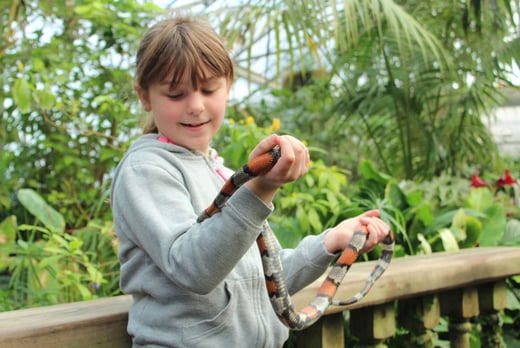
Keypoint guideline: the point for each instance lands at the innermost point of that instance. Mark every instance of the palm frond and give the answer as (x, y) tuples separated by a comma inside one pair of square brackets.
[(294, 35)]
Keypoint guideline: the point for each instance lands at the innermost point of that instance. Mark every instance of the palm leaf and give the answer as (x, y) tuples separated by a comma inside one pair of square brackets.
[(300, 35)]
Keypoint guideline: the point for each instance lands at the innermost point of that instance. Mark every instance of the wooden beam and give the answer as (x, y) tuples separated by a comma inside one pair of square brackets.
[(98, 323), (414, 276), (102, 323)]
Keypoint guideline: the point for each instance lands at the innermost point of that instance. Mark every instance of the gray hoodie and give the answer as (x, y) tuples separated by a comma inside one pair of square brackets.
[(197, 284)]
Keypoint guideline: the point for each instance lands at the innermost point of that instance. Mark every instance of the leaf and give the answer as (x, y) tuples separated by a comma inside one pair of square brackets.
[(7, 238), (443, 220), (22, 94), (512, 302), (37, 206), (395, 195), (473, 231), (288, 236), (414, 198), (94, 274), (479, 198), (493, 226), (332, 200), (37, 64), (448, 240), (75, 244), (23, 244), (83, 290), (425, 246), (302, 217), (458, 225), (50, 261), (424, 214), (314, 220), (369, 171), (46, 99), (8, 229), (512, 233), (5, 258)]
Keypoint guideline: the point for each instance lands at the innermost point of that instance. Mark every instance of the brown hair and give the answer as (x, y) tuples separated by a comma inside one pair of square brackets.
[(176, 46)]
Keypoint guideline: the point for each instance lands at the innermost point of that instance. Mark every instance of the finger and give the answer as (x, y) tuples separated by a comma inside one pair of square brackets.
[(303, 157), (294, 158), (283, 167), (381, 230), (369, 244), (383, 227), (265, 145), (373, 234), (371, 213), (367, 217), (287, 149)]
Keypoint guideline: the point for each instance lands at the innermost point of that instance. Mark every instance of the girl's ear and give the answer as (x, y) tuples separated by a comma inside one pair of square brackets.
[(143, 97)]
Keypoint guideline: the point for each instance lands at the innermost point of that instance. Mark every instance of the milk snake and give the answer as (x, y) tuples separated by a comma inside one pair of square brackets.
[(273, 271)]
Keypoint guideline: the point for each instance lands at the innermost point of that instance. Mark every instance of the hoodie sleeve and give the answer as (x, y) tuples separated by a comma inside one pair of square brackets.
[(153, 211), (305, 263)]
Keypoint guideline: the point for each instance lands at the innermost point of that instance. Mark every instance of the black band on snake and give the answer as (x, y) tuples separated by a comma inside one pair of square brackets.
[(273, 271)]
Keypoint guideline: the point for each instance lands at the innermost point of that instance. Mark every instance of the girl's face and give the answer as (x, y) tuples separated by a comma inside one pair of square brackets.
[(188, 117)]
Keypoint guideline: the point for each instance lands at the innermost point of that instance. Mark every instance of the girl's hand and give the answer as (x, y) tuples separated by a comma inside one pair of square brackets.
[(293, 163), (339, 237)]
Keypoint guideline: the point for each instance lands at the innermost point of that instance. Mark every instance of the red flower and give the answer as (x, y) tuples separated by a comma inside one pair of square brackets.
[(506, 180), (476, 181)]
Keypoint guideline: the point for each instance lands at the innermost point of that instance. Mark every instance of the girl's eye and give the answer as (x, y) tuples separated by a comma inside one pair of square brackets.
[(208, 91), (175, 95)]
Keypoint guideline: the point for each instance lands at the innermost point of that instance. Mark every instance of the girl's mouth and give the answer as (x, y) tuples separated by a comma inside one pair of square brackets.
[(194, 125)]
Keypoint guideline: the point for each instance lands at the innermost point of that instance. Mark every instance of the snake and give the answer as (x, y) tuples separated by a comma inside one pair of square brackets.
[(272, 266)]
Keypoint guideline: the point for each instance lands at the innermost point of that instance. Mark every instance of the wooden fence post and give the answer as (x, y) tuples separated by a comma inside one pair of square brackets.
[(460, 305), (492, 300), (328, 332), (420, 316), (372, 325)]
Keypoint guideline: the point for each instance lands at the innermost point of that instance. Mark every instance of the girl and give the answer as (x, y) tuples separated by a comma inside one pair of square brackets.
[(202, 284)]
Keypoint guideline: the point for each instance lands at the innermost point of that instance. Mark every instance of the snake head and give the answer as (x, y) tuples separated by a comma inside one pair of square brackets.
[(275, 153)]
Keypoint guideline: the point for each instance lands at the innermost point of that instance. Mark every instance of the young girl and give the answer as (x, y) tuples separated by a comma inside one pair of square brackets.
[(202, 284)]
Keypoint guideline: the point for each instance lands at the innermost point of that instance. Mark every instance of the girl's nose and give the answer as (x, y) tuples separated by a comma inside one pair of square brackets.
[(195, 103)]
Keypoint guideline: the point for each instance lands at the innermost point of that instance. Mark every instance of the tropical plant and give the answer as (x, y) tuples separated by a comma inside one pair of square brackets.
[(407, 83), (66, 118), (46, 264), (380, 90), (66, 114)]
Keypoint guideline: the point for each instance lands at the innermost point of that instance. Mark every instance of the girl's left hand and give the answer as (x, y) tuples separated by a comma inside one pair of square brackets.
[(339, 237)]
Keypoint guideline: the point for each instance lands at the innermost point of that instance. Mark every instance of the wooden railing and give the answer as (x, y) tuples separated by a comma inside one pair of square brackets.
[(459, 285)]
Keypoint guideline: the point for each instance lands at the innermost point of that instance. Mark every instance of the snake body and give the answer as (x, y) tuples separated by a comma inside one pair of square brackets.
[(273, 270)]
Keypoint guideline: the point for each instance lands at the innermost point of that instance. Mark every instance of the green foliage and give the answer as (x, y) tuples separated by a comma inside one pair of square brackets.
[(65, 114), (310, 205), (438, 215), (48, 265), (237, 137), (66, 119), (411, 94), (305, 207), (48, 216), (378, 109)]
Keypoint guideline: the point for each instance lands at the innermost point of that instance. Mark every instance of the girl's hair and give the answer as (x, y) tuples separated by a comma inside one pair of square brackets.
[(176, 46)]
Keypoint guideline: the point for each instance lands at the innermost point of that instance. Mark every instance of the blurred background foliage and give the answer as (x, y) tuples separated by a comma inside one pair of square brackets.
[(392, 97)]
